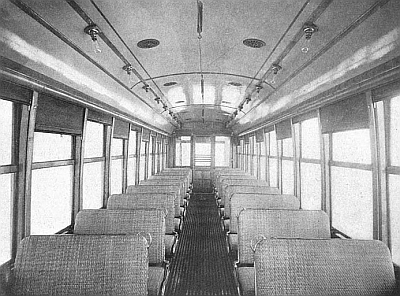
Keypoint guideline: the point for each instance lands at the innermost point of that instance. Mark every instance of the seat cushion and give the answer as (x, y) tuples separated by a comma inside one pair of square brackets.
[(246, 280)]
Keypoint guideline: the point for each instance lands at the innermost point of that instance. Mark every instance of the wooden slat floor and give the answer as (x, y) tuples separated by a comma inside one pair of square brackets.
[(201, 265)]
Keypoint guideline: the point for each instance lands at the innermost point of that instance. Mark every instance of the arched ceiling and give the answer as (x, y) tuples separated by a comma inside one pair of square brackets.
[(210, 77)]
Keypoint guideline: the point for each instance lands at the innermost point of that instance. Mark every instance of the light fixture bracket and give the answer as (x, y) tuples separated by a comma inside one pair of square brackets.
[(276, 68), (309, 29), (93, 31), (128, 68)]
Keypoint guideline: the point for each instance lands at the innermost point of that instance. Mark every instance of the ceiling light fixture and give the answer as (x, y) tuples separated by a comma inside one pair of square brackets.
[(146, 87), (129, 69), (157, 99), (248, 99), (93, 31), (309, 29), (275, 68), (165, 107)]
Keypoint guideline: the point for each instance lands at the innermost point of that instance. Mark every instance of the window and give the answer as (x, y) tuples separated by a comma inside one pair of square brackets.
[(222, 151), (287, 166), (183, 147), (394, 175), (51, 192), (310, 164), (351, 181), (202, 153), (116, 165), (93, 169), (6, 179), (131, 173), (272, 159), (143, 152)]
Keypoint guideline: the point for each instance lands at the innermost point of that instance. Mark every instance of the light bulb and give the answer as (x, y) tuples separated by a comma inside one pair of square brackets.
[(96, 46)]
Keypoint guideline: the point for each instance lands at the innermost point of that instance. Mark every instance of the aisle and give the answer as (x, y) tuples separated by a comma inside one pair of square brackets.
[(201, 265)]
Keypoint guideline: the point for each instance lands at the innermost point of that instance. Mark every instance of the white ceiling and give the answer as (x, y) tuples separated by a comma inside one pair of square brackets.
[(224, 58)]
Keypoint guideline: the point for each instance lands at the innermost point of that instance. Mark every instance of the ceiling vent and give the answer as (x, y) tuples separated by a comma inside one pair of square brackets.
[(148, 43), (254, 43)]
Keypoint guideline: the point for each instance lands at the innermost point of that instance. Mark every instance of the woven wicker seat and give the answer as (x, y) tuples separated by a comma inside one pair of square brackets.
[(323, 267), (170, 189), (181, 185), (245, 188), (144, 201), (81, 265), (241, 201)]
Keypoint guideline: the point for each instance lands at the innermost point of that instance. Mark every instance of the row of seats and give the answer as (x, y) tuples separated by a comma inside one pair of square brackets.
[(121, 250), (280, 249)]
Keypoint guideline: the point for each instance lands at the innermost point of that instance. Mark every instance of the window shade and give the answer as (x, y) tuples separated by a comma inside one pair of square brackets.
[(158, 138), (99, 117), (269, 129), (349, 114), (13, 92), (121, 129), (247, 139), (386, 91), (145, 135), (283, 129), (305, 116), (54, 115), (260, 135)]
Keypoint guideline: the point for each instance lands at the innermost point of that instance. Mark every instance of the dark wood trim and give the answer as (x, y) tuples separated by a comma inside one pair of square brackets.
[(108, 130), (351, 165), (376, 184), (125, 164), (52, 164), (138, 148), (310, 160), (323, 162), (117, 157), (8, 169), (94, 159), (394, 170), (79, 155), (25, 208)]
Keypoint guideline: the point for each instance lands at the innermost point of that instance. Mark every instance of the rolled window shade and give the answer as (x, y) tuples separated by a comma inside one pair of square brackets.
[(99, 117), (57, 116), (121, 129), (260, 135), (235, 141), (283, 129), (145, 135), (247, 139), (349, 114), (305, 116), (166, 140), (269, 129), (13, 92), (158, 138), (386, 91)]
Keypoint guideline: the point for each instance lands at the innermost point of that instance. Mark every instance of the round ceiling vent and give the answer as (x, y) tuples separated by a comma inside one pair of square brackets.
[(254, 43), (171, 83), (148, 43), (235, 83)]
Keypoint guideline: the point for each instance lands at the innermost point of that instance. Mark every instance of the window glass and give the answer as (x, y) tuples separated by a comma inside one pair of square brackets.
[(222, 151), (287, 146), (51, 199), (6, 194), (48, 147), (352, 206), (262, 167), (352, 146), (117, 147), (394, 199), (287, 177), (132, 143), (395, 131), (131, 173), (94, 139), (310, 186), (150, 158), (272, 144), (143, 147), (6, 132), (116, 176), (203, 154), (185, 154), (273, 172), (310, 144), (93, 185)]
